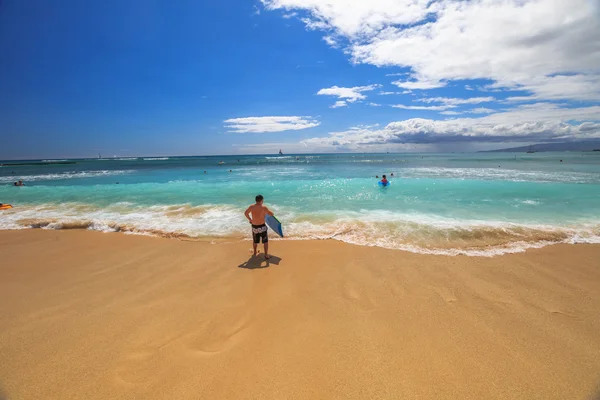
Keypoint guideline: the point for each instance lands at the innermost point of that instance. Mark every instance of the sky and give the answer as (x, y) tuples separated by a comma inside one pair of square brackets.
[(149, 77)]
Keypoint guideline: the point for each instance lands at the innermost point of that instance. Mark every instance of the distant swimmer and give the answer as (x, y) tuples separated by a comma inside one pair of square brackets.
[(376, 176), (20, 183), (256, 216), (230, 171), (204, 171), (392, 174)]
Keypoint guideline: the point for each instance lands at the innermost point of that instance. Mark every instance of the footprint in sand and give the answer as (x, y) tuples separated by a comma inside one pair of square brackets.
[(216, 336), (355, 294), (447, 295), (137, 367)]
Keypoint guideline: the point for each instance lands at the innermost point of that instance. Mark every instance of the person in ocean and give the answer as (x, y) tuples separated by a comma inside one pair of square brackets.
[(256, 216), (384, 180)]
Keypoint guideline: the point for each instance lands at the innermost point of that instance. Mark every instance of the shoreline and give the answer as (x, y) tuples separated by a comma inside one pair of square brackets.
[(492, 250), (87, 315)]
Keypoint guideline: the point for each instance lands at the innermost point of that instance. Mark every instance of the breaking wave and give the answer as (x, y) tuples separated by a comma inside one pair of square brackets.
[(64, 175), (419, 233)]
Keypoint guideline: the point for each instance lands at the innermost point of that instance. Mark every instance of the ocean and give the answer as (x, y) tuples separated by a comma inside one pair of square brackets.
[(478, 204)]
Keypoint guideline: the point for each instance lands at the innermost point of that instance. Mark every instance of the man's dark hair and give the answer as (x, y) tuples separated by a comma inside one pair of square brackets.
[(259, 198), (383, 176)]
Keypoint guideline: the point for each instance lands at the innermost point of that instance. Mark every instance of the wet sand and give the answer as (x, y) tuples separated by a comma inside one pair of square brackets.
[(88, 315)]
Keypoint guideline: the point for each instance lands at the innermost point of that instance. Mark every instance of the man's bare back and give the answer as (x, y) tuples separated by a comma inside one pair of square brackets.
[(258, 213), (256, 216)]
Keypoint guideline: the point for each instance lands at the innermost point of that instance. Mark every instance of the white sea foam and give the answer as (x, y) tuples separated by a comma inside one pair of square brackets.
[(428, 234), (156, 158), (64, 175), (497, 174)]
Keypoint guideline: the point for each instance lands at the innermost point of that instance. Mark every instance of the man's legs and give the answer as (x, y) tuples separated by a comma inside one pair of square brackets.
[(254, 245), (266, 249)]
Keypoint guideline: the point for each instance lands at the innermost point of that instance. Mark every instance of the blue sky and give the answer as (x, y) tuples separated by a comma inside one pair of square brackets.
[(157, 78)]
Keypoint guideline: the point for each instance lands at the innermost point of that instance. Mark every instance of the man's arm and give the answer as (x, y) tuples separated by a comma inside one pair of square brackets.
[(247, 214), (268, 211)]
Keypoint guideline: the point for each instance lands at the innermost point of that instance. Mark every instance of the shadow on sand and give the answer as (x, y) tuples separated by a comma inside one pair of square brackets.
[(259, 261)]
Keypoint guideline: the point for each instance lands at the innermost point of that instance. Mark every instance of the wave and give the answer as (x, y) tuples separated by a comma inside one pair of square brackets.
[(48, 161), (64, 175), (156, 158), (419, 233), (498, 174)]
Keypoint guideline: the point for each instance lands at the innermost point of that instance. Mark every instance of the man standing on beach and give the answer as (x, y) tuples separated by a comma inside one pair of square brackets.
[(256, 215)]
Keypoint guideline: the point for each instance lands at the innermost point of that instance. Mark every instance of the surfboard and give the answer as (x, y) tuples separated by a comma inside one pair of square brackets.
[(274, 224)]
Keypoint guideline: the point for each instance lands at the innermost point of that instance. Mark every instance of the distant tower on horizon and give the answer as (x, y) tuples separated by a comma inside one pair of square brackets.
[(280, 152)]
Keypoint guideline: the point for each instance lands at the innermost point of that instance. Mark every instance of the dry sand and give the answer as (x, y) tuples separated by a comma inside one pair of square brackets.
[(86, 315)]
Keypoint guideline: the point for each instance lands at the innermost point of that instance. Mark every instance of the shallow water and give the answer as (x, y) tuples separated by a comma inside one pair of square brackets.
[(475, 204)]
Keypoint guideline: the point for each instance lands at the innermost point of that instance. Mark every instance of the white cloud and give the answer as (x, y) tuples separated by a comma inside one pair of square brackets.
[(548, 48), (330, 41), (338, 104), (269, 124), (526, 123), (419, 84), (374, 104), (395, 93), (451, 112), (451, 101), (446, 103), (424, 108), (354, 18), (481, 110), (348, 95)]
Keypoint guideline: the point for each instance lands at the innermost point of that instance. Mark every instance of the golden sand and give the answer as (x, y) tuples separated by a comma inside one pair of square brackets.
[(86, 315)]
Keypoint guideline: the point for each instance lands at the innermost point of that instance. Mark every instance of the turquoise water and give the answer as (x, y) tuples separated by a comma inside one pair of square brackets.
[(475, 204)]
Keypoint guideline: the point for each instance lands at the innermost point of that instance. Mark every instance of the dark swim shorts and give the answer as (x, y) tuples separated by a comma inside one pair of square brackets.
[(259, 232)]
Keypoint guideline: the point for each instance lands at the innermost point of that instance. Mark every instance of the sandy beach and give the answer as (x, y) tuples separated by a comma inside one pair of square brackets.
[(88, 315)]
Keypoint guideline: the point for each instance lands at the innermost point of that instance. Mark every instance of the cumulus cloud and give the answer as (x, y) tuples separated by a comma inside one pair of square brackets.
[(347, 94), (527, 123), (269, 124), (548, 48)]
